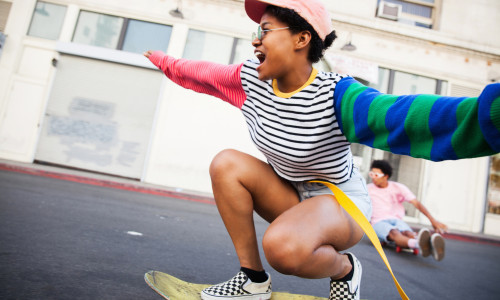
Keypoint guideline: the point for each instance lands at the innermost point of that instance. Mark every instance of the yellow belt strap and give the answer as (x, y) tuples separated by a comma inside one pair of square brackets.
[(358, 216)]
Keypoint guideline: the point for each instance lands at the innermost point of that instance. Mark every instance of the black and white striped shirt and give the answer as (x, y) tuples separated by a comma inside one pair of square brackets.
[(299, 135)]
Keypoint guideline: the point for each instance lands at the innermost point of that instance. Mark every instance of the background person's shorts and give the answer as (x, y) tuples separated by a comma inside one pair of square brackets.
[(382, 228), (354, 188)]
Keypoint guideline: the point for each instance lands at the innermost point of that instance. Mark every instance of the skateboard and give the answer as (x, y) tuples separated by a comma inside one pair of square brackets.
[(400, 249), (172, 288)]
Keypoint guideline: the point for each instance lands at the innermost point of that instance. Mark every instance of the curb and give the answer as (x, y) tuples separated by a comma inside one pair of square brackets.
[(107, 183)]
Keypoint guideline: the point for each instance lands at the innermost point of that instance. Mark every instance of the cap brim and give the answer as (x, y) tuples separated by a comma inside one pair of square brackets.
[(255, 9)]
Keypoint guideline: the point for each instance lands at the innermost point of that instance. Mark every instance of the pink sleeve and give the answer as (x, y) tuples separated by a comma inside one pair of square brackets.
[(221, 81), (405, 192)]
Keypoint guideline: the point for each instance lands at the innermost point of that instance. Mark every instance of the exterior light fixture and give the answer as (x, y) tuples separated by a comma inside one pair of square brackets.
[(349, 46), (177, 13)]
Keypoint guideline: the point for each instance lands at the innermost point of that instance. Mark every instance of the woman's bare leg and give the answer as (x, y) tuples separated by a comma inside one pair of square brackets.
[(241, 184), (304, 241)]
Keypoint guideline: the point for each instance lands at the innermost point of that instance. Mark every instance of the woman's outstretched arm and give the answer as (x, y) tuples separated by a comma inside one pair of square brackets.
[(221, 81), (425, 126)]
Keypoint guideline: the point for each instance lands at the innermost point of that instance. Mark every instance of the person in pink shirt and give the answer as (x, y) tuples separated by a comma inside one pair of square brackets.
[(388, 212)]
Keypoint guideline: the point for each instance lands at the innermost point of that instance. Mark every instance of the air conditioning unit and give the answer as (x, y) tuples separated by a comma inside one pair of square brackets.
[(389, 11)]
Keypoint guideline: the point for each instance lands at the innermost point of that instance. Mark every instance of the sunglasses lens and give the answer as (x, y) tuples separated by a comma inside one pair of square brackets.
[(259, 32)]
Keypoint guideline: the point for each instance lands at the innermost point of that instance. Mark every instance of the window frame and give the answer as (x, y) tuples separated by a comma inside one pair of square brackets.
[(126, 22), (433, 21), (234, 44), (440, 83), (33, 18), (123, 30), (236, 40)]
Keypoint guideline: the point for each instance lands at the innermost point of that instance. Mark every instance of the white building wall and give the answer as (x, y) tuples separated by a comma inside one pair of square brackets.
[(454, 192), (189, 128), (25, 74), (475, 22)]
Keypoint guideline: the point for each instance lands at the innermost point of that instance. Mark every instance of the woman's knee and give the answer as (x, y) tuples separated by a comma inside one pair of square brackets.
[(223, 162), (284, 254)]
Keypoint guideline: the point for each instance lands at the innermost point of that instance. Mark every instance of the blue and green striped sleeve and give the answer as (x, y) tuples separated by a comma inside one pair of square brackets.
[(432, 127)]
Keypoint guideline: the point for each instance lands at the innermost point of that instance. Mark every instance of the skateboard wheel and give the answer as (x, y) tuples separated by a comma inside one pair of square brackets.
[(415, 251), (398, 249)]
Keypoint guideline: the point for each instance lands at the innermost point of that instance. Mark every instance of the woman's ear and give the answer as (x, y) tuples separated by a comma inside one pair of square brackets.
[(303, 40)]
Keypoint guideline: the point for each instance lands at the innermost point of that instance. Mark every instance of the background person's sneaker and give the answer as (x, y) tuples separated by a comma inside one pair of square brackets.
[(347, 290), (240, 287), (437, 243), (424, 241)]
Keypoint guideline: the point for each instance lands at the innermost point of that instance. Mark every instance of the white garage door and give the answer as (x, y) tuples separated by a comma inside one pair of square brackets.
[(99, 116)]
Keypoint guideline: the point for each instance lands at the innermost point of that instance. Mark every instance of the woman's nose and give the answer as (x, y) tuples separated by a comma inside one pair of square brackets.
[(256, 42)]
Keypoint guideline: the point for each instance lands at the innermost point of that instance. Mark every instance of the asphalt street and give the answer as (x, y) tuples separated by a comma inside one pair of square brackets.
[(70, 240)]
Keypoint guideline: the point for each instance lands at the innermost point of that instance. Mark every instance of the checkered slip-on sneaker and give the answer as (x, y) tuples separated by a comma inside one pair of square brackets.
[(437, 249), (424, 241), (347, 290), (240, 287)]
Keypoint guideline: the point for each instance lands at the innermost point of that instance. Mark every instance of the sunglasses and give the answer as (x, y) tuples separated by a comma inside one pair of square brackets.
[(261, 32), (375, 175)]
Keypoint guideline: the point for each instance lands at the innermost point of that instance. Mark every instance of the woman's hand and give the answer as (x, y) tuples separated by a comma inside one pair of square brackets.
[(148, 53)]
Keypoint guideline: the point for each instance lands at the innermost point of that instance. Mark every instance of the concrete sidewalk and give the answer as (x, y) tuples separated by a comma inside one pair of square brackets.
[(116, 182)]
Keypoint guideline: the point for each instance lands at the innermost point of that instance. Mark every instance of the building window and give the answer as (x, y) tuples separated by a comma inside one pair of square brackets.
[(141, 36), (402, 83), (208, 46), (242, 51), (201, 45), (121, 33), (47, 20), (421, 13), (410, 84), (98, 30), (384, 75), (494, 186)]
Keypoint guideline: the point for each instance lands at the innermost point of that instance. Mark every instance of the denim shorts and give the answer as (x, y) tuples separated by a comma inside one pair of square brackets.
[(354, 188), (382, 228)]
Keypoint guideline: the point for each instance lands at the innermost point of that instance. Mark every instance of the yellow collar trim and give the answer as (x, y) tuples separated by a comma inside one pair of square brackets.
[(278, 93)]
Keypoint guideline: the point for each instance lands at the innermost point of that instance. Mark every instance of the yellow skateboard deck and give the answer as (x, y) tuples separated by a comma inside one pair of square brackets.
[(172, 288)]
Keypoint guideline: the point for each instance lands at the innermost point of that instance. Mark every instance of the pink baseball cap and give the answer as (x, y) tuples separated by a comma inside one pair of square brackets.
[(313, 11)]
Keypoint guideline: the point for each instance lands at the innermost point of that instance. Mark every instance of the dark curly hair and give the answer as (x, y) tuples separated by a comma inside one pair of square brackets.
[(383, 165), (298, 24)]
